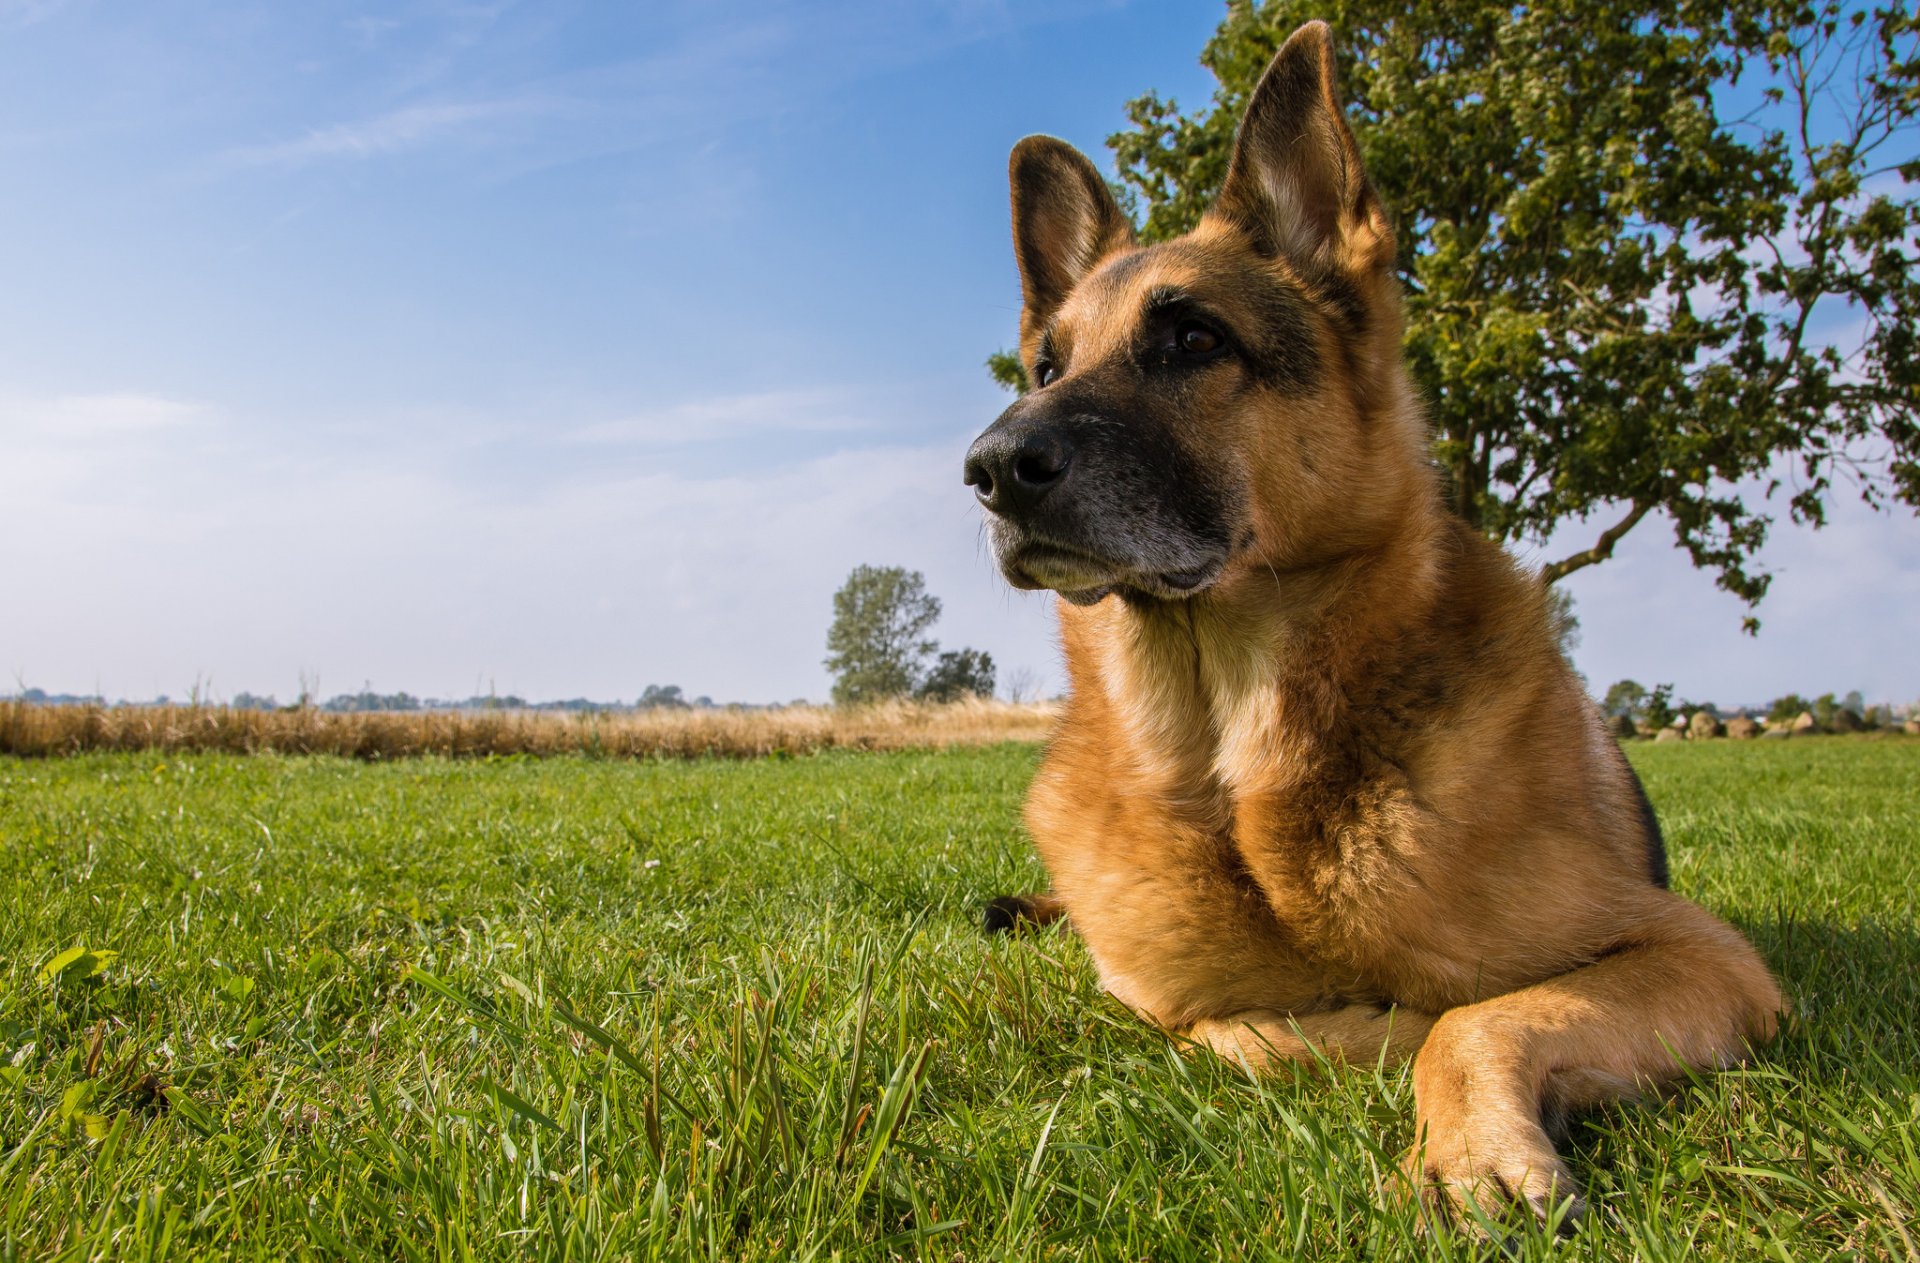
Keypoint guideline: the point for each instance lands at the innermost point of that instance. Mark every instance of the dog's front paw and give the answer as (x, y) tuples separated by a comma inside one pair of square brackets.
[(1486, 1172), (1257, 1041)]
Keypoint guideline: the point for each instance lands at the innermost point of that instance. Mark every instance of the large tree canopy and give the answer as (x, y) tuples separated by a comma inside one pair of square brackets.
[(1654, 254)]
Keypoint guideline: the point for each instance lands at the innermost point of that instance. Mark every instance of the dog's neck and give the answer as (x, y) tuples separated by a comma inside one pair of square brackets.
[(1225, 685)]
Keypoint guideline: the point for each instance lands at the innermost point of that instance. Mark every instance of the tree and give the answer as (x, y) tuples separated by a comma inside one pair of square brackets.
[(1660, 712), (1824, 708), (661, 697), (1023, 685), (1625, 697), (1566, 623), (1005, 367), (956, 674), (1652, 252), (1784, 710), (877, 646)]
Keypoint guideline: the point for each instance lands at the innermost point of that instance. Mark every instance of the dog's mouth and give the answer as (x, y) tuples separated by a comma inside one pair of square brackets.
[(1039, 564), (1083, 578)]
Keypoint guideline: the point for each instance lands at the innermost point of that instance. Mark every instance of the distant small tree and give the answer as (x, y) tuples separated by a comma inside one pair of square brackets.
[(958, 673), (366, 701), (1784, 710), (1566, 623), (1022, 685), (877, 647), (1823, 708), (1660, 706), (662, 697), (1625, 697)]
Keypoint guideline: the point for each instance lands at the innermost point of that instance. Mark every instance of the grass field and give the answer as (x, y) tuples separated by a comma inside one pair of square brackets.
[(578, 1008)]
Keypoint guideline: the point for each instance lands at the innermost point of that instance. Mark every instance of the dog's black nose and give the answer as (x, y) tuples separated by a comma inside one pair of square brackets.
[(1012, 468)]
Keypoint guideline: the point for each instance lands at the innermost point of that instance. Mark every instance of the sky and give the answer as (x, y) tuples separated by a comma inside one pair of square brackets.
[(561, 349)]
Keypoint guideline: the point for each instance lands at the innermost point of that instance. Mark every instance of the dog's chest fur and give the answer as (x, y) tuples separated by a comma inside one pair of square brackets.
[(1248, 823), (1279, 796)]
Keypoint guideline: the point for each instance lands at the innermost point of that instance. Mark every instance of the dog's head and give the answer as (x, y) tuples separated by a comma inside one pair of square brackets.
[(1228, 400)]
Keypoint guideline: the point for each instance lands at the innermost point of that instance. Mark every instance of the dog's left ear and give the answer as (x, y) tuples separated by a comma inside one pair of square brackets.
[(1296, 182)]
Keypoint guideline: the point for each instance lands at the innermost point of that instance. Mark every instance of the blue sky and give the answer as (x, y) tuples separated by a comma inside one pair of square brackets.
[(560, 349)]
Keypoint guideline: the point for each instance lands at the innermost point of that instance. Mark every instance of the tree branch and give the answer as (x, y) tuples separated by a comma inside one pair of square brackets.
[(1601, 550)]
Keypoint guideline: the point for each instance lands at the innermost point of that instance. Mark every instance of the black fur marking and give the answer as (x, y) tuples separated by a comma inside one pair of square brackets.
[(1006, 914), (1650, 824), (1287, 356), (1341, 297), (1116, 272)]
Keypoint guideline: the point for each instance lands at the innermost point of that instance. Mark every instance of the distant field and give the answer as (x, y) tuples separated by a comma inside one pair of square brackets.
[(598, 1008), (722, 731)]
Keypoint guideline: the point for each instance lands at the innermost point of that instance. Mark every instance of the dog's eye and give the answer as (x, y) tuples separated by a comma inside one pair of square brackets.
[(1194, 338)]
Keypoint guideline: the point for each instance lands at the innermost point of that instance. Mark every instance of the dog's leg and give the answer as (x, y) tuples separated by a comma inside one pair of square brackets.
[(1357, 1034), (1686, 991), (1010, 912)]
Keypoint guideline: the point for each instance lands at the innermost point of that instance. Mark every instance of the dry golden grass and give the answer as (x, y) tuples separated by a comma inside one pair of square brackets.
[(41, 731)]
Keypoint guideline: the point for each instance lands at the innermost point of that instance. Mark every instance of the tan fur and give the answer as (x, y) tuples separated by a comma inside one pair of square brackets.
[(1350, 796)]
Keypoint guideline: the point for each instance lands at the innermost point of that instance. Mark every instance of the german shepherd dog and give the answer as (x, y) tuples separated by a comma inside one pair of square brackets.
[(1324, 784)]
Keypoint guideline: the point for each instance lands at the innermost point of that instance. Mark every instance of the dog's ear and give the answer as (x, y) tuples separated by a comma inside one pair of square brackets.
[(1296, 183), (1064, 221)]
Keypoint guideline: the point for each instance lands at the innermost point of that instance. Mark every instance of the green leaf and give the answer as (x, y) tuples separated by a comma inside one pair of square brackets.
[(77, 964), (184, 1105), (518, 1104), (518, 987)]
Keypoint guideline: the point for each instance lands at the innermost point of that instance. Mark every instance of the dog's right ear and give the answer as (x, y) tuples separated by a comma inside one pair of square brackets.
[(1064, 222)]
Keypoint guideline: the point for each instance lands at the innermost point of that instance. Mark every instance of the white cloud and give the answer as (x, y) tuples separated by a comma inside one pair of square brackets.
[(407, 128), (23, 13), (724, 418), (78, 416), (73, 445), (371, 30)]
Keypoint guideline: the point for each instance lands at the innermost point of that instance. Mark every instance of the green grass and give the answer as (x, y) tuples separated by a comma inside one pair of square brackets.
[(583, 1009)]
